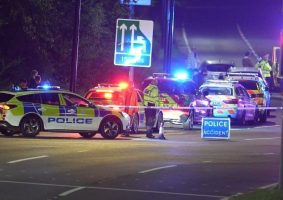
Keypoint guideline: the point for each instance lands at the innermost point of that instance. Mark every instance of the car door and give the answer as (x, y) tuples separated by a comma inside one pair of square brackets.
[(79, 113), (141, 109), (51, 111), (249, 104)]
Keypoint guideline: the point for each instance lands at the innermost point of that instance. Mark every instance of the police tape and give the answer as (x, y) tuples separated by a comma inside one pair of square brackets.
[(189, 108)]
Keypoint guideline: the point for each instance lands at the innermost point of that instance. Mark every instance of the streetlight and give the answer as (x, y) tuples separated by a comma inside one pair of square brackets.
[(75, 48)]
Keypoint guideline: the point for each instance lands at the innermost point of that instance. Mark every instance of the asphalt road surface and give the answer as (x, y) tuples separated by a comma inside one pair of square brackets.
[(65, 166)]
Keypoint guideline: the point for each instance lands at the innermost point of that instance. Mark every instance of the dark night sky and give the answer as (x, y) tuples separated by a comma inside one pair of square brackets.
[(211, 25)]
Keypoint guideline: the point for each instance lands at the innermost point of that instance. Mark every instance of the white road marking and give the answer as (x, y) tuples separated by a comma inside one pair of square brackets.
[(114, 189), (207, 161), (25, 159), (71, 191), (245, 128), (268, 186), (271, 138), (267, 154), (82, 151), (157, 168)]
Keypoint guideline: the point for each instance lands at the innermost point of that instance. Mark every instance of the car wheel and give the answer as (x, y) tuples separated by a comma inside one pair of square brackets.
[(110, 128), (135, 124), (88, 134), (263, 117), (158, 123), (30, 126)]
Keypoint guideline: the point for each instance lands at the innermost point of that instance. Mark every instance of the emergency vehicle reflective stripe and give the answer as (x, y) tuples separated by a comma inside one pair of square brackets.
[(19, 110), (32, 108)]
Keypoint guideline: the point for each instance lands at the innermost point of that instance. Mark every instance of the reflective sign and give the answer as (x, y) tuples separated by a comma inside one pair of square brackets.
[(133, 44), (215, 128)]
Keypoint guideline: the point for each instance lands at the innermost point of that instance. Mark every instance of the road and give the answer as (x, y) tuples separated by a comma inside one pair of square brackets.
[(65, 166)]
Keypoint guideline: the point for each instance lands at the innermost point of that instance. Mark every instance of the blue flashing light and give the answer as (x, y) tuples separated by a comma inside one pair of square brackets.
[(181, 75), (46, 86)]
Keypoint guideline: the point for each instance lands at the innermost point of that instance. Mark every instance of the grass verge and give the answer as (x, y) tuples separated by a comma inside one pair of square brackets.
[(261, 194)]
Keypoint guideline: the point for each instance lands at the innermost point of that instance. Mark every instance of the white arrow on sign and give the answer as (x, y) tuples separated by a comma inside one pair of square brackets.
[(133, 28), (123, 27)]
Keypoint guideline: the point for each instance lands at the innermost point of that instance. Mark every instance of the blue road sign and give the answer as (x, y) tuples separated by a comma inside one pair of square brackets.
[(215, 128), (133, 44), (136, 2)]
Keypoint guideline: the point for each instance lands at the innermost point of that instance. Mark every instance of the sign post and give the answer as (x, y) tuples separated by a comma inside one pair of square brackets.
[(133, 43), (215, 128)]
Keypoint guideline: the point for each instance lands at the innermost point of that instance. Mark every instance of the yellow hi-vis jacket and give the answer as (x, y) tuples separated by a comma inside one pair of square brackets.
[(265, 68), (151, 95)]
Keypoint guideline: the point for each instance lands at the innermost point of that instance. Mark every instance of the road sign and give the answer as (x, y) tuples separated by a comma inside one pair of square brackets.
[(133, 43), (136, 2), (215, 128)]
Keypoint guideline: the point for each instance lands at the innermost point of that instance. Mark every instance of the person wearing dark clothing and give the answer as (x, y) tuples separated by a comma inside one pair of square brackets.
[(32, 82), (246, 61), (23, 84), (37, 79)]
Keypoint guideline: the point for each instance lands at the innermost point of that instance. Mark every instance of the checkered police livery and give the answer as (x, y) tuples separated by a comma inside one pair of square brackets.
[(32, 111)]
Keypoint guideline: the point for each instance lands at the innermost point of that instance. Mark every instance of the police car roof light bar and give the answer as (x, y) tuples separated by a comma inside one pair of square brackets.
[(48, 87), (107, 85), (161, 75)]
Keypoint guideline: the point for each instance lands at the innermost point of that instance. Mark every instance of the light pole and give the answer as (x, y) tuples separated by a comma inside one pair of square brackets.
[(75, 48), (168, 13)]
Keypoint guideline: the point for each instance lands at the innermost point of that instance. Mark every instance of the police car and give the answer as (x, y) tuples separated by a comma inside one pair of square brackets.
[(230, 99), (115, 95), (256, 88), (53, 109)]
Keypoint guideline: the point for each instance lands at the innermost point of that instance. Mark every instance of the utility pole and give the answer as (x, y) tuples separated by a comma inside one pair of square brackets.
[(75, 48), (168, 14)]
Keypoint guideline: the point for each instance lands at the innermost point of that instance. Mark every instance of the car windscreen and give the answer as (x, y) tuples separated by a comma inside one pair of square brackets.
[(218, 67), (4, 97), (171, 86), (217, 91), (249, 85)]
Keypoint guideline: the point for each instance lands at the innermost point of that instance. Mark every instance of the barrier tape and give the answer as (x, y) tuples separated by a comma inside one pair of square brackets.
[(189, 108)]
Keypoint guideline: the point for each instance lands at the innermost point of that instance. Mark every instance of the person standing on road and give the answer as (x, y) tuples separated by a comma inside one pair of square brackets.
[(264, 65), (246, 61), (131, 104), (151, 94)]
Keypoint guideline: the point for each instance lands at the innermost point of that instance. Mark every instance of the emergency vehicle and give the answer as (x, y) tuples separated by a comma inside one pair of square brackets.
[(53, 109), (174, 92), (230, 99), (256, 88), (125, 98)]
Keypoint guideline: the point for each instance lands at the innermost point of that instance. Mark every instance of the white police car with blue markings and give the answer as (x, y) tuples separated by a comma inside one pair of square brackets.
[(29, 112)]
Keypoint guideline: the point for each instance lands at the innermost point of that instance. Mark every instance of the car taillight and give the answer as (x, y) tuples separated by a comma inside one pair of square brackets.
[(108, 95), (231, 101)]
